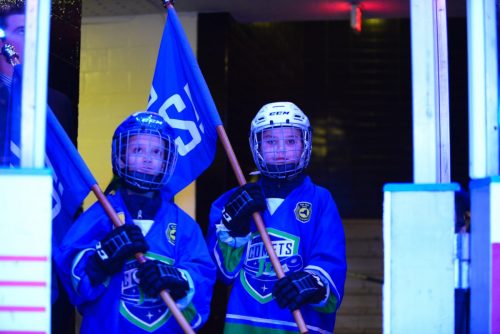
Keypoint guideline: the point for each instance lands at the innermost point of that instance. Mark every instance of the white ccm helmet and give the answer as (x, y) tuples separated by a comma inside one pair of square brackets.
[(280, 115)]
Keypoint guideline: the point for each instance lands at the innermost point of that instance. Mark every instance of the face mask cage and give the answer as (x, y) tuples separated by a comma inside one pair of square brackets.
[(280, 151), (158, 161)]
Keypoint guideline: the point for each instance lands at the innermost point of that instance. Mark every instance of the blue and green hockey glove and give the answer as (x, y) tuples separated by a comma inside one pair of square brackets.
[(155, 276), (113, 250), (236, 214), (297, 289)]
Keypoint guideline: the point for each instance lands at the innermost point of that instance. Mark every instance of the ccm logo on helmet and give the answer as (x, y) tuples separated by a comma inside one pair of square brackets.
[(150, 120), (279, 113)]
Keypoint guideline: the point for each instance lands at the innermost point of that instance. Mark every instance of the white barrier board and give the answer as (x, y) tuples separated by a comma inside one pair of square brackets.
[(25, 250), (418, 292)]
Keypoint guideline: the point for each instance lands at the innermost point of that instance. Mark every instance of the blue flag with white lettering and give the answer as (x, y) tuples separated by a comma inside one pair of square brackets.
[(72, 180), (180, 94)]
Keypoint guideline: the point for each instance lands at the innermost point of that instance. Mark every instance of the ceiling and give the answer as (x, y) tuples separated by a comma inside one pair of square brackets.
[(265, 10)]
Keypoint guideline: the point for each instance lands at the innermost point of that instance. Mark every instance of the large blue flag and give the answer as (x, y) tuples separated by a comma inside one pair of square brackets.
[(180, 94), (72, 180)]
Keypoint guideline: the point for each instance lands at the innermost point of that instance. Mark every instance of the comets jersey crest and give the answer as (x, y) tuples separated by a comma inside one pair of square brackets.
[(145, 312), (258, 276)]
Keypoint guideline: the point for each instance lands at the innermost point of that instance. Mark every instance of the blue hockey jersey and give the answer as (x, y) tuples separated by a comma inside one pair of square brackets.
[(119, 305), (307, 234)]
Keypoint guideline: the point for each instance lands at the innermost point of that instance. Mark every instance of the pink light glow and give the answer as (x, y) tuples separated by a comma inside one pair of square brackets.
[(23, 283), (22, 258), (22, 332), (335, 7), (495, 290), (382, 8), (370, 8), (22, 309)]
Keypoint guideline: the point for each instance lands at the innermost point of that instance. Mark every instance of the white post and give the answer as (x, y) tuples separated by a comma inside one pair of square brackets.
[(25, 196), (34, 97), (431, 138), (419, 218), (483, 88), (484, 166)]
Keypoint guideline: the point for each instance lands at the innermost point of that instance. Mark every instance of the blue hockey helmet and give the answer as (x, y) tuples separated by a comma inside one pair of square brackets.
[(132, 161)]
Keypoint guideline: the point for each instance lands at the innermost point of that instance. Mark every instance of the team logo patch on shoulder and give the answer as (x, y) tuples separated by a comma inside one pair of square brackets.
[(171, 232), (303, 211)]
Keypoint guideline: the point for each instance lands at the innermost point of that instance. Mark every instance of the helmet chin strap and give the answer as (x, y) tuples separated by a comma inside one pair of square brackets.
[(142, 182), (282, 171)]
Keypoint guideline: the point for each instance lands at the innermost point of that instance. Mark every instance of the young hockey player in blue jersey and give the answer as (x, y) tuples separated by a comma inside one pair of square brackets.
[(113, 292), (303, 224)]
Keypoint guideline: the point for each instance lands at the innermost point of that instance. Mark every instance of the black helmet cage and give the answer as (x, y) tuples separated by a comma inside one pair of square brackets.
[(143, 123), (288, 170), (280, 115)]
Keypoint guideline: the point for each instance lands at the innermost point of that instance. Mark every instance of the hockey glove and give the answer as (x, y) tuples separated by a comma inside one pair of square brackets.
[(236, 214), (297, 289), (113, 250), (155, 276)]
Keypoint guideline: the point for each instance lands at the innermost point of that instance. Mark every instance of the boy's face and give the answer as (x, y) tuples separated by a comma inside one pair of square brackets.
[(282, 145), (145, 154), (14, 34)]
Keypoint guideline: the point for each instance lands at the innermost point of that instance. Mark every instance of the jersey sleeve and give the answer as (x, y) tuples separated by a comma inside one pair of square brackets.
[(74, 251), (194, 258), (80, 281), (326, 256)]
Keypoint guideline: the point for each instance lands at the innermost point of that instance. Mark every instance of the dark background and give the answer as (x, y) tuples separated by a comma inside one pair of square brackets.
[(64, 63), (355, 89), (64, 74)]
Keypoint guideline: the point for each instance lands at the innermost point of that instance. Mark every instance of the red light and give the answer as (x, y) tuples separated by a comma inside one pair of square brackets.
[(356, 18)]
